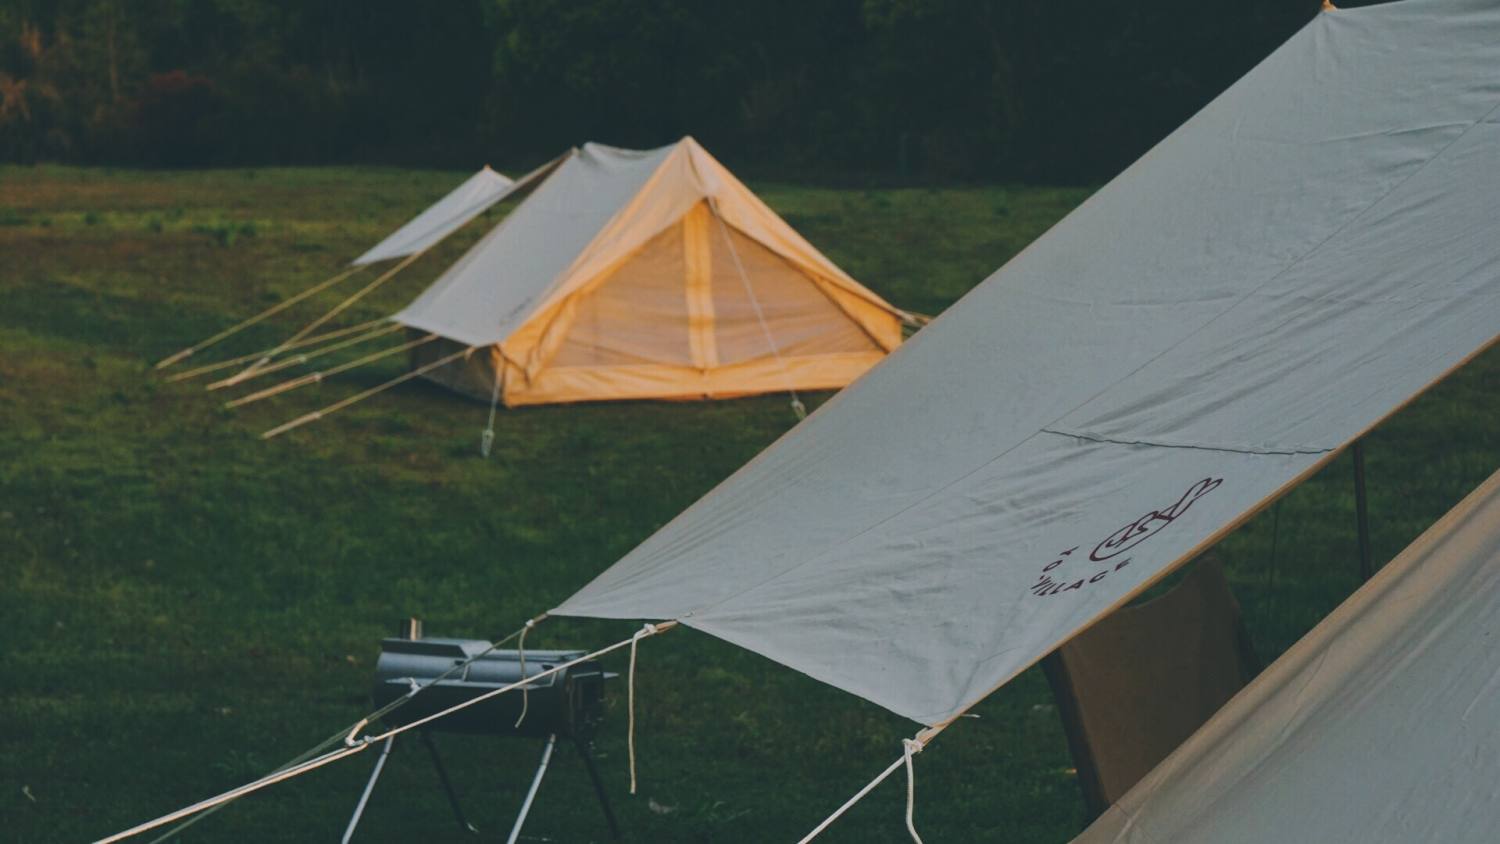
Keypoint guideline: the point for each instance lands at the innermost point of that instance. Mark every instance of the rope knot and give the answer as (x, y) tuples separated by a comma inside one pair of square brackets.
[(913, 746), (350, 740)]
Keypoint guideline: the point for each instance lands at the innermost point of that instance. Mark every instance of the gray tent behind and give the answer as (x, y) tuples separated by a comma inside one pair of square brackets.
[(1379, 725)]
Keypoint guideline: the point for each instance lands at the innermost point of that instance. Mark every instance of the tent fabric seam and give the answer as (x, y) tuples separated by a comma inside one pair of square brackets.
[(1228, 449)]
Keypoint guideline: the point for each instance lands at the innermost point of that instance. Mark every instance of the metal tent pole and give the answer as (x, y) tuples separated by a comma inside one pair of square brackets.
[(536, 783), (359, 808)]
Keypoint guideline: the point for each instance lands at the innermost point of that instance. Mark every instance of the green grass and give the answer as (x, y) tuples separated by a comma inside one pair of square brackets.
[(184, 605)]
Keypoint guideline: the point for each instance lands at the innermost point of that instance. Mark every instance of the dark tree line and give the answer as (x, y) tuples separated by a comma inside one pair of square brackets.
[(947, 89)]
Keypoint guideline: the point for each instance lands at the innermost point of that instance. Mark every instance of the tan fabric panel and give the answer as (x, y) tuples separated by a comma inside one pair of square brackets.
[(1377, 726), (655, 381), (698, 280), (637, 316), (1134, 686), (687, 177), (801, 319)]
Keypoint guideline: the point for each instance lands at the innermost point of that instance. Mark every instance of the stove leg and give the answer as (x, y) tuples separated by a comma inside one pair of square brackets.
[(587, 754), (359, 808), (437, 764), (536, 783)]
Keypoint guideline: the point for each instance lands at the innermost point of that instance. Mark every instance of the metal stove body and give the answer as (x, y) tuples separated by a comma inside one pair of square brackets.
[(566, 704)]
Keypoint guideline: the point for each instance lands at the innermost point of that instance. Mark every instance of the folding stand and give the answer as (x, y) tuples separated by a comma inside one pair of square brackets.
[(584, 752)]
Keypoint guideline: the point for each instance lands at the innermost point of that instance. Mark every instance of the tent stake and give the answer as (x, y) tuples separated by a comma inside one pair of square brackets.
[(1361, 513)]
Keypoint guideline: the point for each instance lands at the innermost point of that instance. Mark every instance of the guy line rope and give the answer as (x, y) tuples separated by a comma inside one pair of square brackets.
[(304, 357), (306, 341), (316, 377), (271, 311), (797, 406), (354, 745), (361, 396), (315, 758), (330, 314)]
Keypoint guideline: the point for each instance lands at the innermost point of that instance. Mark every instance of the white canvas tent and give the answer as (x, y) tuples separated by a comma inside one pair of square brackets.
[(1379, 725), (648, 274), (1300, 259)]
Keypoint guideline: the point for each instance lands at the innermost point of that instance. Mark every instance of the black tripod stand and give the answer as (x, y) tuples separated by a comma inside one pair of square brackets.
[(585, 752)]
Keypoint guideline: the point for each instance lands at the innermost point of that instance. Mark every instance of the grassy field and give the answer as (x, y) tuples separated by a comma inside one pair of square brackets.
[(183, 606)]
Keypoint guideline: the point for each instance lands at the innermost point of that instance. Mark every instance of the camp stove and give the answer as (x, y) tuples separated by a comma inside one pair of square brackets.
[(568, 704)]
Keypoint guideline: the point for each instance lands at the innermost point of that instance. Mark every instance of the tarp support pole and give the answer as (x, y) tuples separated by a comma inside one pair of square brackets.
[(330, 314), (268, 312), (1361, 512)]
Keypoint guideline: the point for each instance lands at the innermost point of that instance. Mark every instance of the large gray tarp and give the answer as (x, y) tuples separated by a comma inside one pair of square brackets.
[(1379, 725), (442, 218), (1302, 257)]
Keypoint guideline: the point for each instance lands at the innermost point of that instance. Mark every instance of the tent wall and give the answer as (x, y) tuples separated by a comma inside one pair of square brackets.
[(1379, 725), (677, 319), (472, 376), (1133, 687)]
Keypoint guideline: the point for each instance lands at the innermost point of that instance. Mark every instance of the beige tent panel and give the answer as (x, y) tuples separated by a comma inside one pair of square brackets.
[(683, 300), (585, 383), (640, 316), (801, 315), (1379, 725), (678, 319), (687, 178)]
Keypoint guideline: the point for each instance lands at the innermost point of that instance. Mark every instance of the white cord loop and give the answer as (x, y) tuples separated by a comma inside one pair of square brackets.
[(350, 740), (911, 747), (521, 652), (647, 630)]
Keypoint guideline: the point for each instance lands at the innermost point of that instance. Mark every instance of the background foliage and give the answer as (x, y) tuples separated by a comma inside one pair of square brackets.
[(952, 89)]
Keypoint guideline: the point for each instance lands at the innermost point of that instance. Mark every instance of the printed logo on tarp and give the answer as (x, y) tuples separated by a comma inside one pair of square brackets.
[(1061, 575)]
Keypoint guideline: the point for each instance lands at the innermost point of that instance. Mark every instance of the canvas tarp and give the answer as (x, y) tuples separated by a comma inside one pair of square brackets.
[(631, 274), (1305, 255), (1379, 725), (442, 218)]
